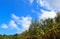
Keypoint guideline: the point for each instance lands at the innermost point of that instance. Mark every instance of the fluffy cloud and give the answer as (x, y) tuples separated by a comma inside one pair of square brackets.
[(26, 21), (4, 26), (23, 21), (47, 14), (16, 18), (50, 4), (12, 24), (55, 4), (43, 4)]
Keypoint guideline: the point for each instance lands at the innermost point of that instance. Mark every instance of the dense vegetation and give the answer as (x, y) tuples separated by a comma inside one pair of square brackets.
[(43, 29)]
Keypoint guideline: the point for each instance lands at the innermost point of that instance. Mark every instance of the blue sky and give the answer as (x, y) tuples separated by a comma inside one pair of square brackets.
[(16, 15)]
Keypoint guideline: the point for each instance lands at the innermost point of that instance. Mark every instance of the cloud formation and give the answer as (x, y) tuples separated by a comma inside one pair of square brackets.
[(43, 4), (12, 24), (23, 21), (47, 14), (15, 18), (4, 26), (55, 4), (50, 4), (26, 21)]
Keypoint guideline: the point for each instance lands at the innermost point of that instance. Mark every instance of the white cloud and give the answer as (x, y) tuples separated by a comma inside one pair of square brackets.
[(50, 4), (23, 21), (43, 4), (26, 21), (47, 14), (40, 2), (4, 26), (55, 4), (12, 24), (16, 18)]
